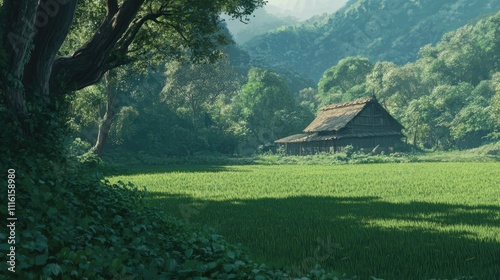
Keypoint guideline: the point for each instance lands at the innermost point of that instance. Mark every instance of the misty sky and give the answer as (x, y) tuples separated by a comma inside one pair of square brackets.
[(303, 9)]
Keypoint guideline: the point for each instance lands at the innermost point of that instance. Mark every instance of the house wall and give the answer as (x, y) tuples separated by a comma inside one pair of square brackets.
[(369, 143), (384, 143), (309, 148)]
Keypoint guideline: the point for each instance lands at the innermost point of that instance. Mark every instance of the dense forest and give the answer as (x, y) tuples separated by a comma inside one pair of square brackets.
[(446, 99)]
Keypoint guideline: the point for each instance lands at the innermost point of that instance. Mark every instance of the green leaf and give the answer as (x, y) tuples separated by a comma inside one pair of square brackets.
[(52, 269), (228, 267), (52, 211), (231, 255), (41, 259), (117, 219), (239, 264), (212, 265), (116, 264), (171, 264), (188, 253)]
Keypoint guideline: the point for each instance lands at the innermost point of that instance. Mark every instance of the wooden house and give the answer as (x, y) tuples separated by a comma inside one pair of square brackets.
[(362, 123)]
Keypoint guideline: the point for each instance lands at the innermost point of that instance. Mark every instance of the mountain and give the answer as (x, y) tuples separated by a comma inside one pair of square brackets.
[(390, 30)]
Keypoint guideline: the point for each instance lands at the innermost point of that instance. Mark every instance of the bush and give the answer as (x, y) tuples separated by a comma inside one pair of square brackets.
[(348, 150), (90, 159), (78, 147)]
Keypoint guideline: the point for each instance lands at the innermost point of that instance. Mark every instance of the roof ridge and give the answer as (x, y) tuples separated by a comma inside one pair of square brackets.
[(348, 103)]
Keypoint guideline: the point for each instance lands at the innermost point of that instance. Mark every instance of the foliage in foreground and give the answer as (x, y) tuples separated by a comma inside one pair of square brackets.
[(82, 227)]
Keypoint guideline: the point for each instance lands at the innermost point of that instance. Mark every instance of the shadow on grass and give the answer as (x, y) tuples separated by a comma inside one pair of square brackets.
[(362, 236)]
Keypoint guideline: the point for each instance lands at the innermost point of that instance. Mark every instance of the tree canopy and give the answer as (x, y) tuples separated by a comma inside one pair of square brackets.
[(120, 32), (338, 82)]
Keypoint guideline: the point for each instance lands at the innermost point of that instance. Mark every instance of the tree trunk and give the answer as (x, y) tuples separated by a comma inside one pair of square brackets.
[(34, 31), (107, 120), (18, 34)]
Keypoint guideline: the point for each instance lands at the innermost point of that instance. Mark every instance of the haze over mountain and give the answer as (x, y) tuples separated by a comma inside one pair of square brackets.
[(303, 9), (278, 13), (260, 23)]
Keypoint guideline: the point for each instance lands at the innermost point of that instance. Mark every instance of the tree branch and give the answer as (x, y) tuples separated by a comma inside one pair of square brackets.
[(87, 65), (131, 32)]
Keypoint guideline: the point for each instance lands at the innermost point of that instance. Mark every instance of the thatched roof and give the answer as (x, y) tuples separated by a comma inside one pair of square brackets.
[(336, 116)]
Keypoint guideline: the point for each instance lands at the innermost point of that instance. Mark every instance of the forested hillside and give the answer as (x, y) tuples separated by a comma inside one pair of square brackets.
[(390, 30), (447, 99)]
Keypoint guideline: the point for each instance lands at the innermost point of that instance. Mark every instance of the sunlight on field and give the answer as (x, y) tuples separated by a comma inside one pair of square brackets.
[(388, 220)]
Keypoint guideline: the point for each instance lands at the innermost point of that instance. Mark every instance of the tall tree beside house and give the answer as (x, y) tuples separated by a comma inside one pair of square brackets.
[(338, 83), (194, 87), (266, 109), (495, 106)]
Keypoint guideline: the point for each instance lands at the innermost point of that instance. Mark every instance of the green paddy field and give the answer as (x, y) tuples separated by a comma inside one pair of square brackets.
[(391, 221)]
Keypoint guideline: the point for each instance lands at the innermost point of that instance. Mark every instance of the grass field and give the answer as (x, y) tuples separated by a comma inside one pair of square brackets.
[(392, 221)]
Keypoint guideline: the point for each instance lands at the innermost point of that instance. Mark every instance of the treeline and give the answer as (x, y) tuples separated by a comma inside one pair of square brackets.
[(182, 109), (388, 30), (447, 99)]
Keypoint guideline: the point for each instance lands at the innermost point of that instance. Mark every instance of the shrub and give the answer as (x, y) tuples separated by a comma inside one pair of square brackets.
[(90, 159), (348, 150), (78, 147)]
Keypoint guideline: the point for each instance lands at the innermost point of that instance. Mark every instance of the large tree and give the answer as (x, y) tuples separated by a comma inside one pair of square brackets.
[(34, 77), (266, 109), (341, 78), (196, 86)]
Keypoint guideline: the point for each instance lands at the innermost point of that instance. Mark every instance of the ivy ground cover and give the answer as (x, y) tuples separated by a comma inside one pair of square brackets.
[(391, 221)]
